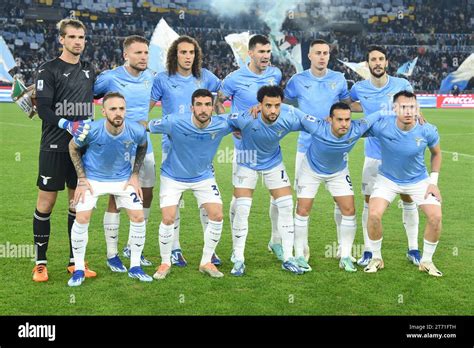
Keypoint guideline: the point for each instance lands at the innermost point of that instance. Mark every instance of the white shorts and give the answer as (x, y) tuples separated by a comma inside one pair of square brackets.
[(147, 174), (205, 191), (127, 198), (308, 181), (274, 178), (369, 174), (388, 190)]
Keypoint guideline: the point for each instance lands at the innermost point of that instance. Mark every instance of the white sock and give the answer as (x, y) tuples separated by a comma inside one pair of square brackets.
[(286, 225), (429, 249), (232, 211), (136, 237), (79, 238), (375, 246), (365, 231), (301, 230), (165, 237), (240, 227), (146, 213), (111, 231), (273, 212), (348, 232), (337, 220), (411, 219), (204, 218), (177, 222), (212, 237)]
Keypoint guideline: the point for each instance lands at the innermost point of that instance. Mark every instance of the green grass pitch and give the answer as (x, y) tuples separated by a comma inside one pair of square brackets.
[(400, 289)]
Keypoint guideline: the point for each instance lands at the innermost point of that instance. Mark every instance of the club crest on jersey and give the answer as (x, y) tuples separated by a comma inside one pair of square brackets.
[(333, 85), (350, 140), (39, 85), (234, 116), (418, 141), (198, 83), (271, 81), (213, 135), (146, 83), (86, 72), (127, 143), (310, 118), (156, 123), (279, 133)]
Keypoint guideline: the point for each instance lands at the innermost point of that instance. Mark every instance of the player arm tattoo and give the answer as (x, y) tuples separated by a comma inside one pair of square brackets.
[(139, 158), (76, 158)]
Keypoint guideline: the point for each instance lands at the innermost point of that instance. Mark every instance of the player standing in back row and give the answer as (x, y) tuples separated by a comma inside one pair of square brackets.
[(64, 101)]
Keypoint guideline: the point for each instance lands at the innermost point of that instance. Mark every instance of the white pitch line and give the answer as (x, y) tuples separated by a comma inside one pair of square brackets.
[(18, 125), (456, 134), (459, 154)]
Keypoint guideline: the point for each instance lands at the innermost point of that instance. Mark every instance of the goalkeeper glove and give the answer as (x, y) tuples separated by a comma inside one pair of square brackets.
[(78, 129)]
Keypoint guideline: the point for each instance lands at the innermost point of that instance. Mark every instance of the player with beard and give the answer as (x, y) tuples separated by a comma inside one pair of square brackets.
[(134, 81)]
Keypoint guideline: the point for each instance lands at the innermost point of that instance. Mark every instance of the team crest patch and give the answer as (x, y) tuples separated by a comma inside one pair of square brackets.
[(127, 143), (213, 135), (271, 81), (333, 85), (418, 141), (310, 118)]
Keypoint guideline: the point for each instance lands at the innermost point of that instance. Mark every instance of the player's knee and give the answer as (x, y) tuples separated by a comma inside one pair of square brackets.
[(302, 210), (375, 216), (137, 217), (434, 220), (216, 216), (82, 219), (168, 220), (347, 210), (45, 206)]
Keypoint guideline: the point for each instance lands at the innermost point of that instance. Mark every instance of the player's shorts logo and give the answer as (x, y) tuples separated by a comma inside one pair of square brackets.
[(45, 179)]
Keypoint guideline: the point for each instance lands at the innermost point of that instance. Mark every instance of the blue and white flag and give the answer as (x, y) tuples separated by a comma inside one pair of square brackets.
[(239, 44), (406, 69), (459, 77), (7, 62), (161, 40), (360, 68)]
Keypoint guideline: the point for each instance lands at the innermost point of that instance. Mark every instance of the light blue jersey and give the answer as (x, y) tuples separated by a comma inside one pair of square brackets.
[(135, 89), (374, 99), (327, 154), (192, 149), (403, 152), (260, 146), (242, 85), (175, 93), (315, 96), (107, 156)]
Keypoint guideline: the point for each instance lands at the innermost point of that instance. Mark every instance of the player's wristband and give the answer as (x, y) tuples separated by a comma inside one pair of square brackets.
[(434, 178), (62, 122)]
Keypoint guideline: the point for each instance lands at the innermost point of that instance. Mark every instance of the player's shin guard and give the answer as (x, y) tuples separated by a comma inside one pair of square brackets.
[(111, 231), (337, 220), (411, 219), (240, 227), (301, 234), (365, 231), (204, 218), (137, 241), (165, 237), (177, 224), (375, 246), (41, 231), (286, 225), (71, 217), (79, 238), (348, 232), (232, 211), (212, 237), (273, 212)]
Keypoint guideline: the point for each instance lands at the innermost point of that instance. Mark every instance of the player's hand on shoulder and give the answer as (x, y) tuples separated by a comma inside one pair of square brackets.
[(254, 110), (434, 191)]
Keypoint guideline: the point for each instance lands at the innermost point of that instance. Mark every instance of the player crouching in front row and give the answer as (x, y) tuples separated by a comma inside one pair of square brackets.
[(105, 169)]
